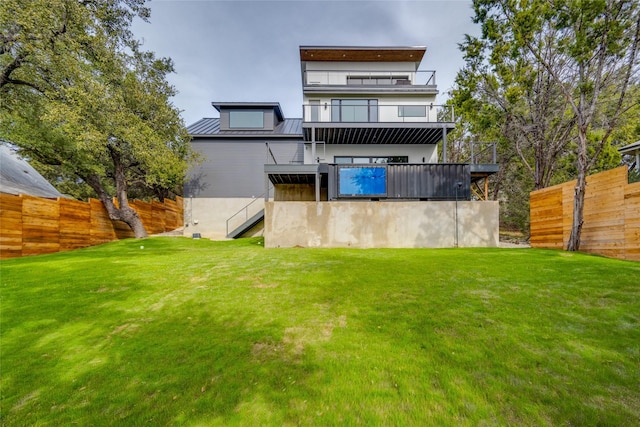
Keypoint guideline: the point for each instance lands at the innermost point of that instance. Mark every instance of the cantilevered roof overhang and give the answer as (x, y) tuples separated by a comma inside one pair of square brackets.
[(376, 133), (292, 174), (362, 53), (633, 148)]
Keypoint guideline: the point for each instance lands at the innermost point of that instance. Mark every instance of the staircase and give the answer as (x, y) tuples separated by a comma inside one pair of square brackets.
[(246, 218), (245, 226)]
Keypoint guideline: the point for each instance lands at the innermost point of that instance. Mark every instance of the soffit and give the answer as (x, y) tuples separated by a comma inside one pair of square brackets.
[(362, 54)]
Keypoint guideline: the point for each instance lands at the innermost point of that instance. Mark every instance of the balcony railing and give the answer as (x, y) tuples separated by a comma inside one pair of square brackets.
[(366, 111), (369, 78), (482, 153)]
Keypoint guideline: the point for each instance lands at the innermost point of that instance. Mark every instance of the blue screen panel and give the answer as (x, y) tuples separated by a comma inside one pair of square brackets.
[(362, 181)]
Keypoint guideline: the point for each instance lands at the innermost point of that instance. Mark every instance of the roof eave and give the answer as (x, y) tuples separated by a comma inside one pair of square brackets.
[(363, 53)]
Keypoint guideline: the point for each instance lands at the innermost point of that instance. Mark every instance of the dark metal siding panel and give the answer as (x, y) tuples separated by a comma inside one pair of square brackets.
[(298, 156), (269, 120), (420, 181), (332, 180), (235, 168), (429, 181)]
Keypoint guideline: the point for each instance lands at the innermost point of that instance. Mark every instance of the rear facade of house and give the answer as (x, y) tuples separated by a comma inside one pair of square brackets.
[(361, 168)]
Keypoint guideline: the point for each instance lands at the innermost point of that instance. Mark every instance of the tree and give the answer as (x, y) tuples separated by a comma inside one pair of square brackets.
[(78, 94), (513, 97), (587, 51), (502, 98)]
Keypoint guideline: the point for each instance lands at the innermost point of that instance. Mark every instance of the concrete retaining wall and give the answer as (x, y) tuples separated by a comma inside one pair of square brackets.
[(208, 216), (363, 224)]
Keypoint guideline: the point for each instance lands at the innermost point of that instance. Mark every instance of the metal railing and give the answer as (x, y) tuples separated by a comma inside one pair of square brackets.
[(486, 153), (369, 78), (356, 112), (243, 215), (270, 154), (633, 173)]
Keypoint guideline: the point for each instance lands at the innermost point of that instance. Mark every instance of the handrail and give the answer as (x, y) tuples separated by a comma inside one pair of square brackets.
[(474, 156), (348, 112), (373, 77), (245, 209), (269, 152)]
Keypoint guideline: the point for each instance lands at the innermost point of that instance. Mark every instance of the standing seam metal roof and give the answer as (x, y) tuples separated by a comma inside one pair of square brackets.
[(19, 177), (211, 127)]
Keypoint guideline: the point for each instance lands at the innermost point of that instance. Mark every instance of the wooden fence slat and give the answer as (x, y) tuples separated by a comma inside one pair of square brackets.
[(33, 225), (611, 215), (40, 225), (10, 226), (157, 218), (102, 230), (75, 224)]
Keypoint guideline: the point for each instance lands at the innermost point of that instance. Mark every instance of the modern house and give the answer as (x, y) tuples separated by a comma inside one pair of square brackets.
[(227, 188), (360, 169)]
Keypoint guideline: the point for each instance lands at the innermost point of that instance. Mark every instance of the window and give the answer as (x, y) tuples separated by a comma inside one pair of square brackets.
[(247, 119), (354, 110), (412, 111), (362, 160), (362, 181)]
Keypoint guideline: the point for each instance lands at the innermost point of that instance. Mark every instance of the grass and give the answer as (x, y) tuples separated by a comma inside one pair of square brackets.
[(194, 332)]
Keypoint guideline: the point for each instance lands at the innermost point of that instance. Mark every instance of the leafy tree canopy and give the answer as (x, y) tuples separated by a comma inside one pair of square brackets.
[(559, 80), (80, 96)]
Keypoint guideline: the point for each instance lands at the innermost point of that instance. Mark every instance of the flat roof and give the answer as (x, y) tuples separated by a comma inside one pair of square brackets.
[(363, 53), (631, 148)]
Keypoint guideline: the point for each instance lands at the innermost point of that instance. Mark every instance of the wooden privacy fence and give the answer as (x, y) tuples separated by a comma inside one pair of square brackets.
[(33, 225), (611, 216)]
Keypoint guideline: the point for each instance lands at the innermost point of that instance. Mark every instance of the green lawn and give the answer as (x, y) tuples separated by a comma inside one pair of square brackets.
[(194, 332)]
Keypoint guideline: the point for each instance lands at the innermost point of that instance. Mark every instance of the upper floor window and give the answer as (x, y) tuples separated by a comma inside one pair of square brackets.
[(246, 119), (354, 110), (367, 160)]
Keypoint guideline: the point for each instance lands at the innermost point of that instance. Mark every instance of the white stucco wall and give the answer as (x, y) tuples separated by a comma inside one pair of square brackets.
[(208, 216), (381, 224), (415, 152)]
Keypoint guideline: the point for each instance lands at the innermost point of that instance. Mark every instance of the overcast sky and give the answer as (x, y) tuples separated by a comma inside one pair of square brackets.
[(238, 50)]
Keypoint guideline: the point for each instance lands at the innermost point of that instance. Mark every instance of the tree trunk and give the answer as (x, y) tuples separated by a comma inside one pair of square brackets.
[(126, 214), (579, 192), (578, 209), (122, 212)]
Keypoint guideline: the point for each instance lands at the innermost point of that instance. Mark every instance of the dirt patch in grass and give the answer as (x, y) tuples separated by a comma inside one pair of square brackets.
[(264, 351)]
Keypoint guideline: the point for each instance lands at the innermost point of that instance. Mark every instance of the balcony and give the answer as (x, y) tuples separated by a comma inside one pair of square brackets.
[(357, 81), (364, 121), (370, 111), (402, 181)]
